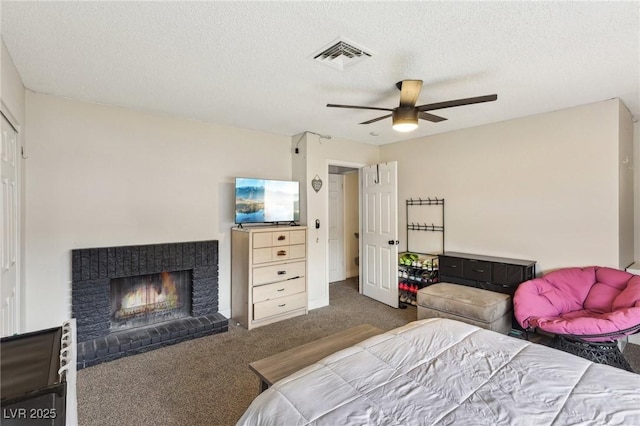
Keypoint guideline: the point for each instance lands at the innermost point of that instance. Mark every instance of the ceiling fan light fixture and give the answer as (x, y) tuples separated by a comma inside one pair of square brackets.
[(405, 119)]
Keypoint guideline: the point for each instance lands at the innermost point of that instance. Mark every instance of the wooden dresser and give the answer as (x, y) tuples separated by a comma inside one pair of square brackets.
[(268, 274)]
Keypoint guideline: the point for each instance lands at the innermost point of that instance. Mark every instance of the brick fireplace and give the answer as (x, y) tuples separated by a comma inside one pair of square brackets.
[(125, 299)]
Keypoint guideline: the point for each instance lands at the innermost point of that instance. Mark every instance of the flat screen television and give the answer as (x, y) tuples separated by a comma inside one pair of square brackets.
[(267, 201)]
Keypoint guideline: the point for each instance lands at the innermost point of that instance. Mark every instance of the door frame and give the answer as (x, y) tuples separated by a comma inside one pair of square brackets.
[(354, 166), (341, 269)]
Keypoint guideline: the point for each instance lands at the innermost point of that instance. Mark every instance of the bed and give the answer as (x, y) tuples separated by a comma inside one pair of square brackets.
[(445, 372)]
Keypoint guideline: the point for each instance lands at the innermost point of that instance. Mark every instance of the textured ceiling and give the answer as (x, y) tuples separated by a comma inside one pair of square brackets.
[(249, 64)]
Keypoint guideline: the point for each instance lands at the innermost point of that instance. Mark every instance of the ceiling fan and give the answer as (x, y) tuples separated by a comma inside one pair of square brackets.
[(405, 116)]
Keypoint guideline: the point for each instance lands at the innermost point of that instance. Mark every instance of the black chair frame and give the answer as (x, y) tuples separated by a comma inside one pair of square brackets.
[(605, 352)]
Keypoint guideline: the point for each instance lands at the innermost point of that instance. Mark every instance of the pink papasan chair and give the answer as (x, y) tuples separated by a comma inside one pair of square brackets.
[(586, 309)]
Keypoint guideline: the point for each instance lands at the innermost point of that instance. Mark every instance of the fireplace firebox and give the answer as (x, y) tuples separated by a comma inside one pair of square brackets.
[(132, 299), (148, 299)]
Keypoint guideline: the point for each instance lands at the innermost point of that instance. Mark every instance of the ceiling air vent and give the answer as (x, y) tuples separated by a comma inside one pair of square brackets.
[(341, 54)]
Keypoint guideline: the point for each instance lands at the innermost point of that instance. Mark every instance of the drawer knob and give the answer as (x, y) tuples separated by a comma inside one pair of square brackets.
[(282, 272), (281, 238), (478, 270), (282, 252), (280, 289), (283, 305)]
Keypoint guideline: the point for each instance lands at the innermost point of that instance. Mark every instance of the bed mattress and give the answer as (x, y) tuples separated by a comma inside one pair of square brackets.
[(440, 371)]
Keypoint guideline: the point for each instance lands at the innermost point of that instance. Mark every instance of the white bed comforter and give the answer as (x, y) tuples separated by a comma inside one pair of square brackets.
[(439, 371)]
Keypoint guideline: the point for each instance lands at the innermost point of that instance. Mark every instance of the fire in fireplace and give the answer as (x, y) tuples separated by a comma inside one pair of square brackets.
[(148, 299)]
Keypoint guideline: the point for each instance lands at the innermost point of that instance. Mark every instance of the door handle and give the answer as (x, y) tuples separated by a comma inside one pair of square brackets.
[(394, 242)]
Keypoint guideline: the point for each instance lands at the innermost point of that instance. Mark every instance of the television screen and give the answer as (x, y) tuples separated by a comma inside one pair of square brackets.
[(265, 200)]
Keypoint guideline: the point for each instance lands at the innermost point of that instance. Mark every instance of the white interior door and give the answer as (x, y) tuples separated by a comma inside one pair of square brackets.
[(379, 234), (9, 290), (336, 228)]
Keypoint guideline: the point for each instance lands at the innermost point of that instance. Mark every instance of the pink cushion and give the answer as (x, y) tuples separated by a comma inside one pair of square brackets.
[(600, 298), (613, 277), (557, 292), (630, 296), (590, 300)]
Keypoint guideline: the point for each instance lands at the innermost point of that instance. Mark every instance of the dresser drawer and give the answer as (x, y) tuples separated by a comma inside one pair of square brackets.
[(508, 275), (275, 273), (274, 254), (450, 266), (280, 253), (276, 238), (262, 255), (262, 239), (281, 305), (280, 238), (297, 237), (499, 288), (281, 289), (476, 270), (299, 251)]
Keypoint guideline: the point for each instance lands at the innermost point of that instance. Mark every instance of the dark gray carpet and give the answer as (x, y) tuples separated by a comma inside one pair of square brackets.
[(207, 381)]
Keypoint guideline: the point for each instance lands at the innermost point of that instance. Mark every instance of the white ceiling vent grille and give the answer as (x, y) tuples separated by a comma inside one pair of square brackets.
[(341, 54)]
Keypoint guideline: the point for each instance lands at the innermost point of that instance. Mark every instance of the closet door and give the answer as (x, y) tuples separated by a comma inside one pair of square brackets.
[(9, 284)]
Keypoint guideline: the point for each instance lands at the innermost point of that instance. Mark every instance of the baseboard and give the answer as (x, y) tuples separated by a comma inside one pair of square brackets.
[(319, 303)]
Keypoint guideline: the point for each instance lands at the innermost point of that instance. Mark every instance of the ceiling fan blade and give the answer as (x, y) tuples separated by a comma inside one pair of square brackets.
[(358, 107), (376, 119), (409, 92), (430, 117), (457, 102)]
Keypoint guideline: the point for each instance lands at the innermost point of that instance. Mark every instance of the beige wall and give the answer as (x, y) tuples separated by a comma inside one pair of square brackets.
[(104, 176), (314, 158), (11, 87), (543, 187), (12, 94)]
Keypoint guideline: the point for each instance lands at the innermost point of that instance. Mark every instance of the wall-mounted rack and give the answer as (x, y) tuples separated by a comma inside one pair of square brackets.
[(424, 226), (426, 202)]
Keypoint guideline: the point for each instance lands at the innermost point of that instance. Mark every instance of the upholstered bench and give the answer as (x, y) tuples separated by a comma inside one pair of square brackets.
[(483, 308)]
